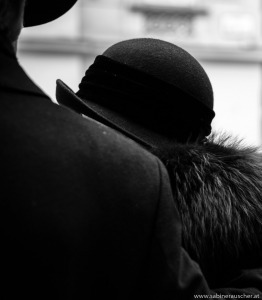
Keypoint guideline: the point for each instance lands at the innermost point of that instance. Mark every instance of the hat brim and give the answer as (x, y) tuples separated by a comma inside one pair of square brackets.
[(39, 12), (144, 136)]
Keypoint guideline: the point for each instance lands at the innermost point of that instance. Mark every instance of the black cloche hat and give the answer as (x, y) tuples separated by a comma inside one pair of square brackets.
[(39, 12), (150, 90)]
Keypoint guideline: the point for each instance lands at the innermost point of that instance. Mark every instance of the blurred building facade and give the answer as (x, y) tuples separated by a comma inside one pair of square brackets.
[(224, 35)]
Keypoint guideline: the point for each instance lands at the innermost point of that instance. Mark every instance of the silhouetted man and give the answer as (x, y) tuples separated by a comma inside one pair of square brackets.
[(84, 212)]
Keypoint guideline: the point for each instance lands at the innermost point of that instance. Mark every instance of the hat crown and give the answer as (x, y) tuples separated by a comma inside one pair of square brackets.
[(166, 62)]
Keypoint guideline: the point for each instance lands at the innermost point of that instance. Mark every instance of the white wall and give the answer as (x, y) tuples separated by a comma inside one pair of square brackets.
[(237, 92), (46, 69), (237, 86)]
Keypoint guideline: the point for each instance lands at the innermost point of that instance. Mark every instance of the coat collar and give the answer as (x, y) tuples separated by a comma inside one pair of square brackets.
[(12, 77), (217, 187)]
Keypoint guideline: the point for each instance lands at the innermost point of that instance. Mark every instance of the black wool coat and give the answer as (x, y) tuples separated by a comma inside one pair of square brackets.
[(84, 212)]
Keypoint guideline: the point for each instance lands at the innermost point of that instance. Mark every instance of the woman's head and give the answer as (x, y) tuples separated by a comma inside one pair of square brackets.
[(175, 66), (168, 63), (151, 90)]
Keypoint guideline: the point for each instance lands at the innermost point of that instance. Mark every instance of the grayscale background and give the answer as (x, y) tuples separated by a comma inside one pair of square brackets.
[(224, 35)]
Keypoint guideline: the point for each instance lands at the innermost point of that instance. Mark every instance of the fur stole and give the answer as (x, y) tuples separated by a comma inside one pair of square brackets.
[(218, 190)]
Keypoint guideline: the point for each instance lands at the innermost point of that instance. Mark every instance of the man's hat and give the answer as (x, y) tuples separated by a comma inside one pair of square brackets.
[(39, 12), (150, 90)]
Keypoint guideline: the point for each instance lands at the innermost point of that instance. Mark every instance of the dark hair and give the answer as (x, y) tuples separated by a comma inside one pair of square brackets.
[(9, 9), (6, 7)]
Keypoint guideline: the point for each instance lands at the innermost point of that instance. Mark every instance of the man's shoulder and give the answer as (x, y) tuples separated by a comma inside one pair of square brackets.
[(51, 133), (109, 149), (89, 132), (121, 164)]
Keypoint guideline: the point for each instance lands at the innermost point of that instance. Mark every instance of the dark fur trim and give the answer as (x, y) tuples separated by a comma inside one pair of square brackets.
[(218, 189)]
